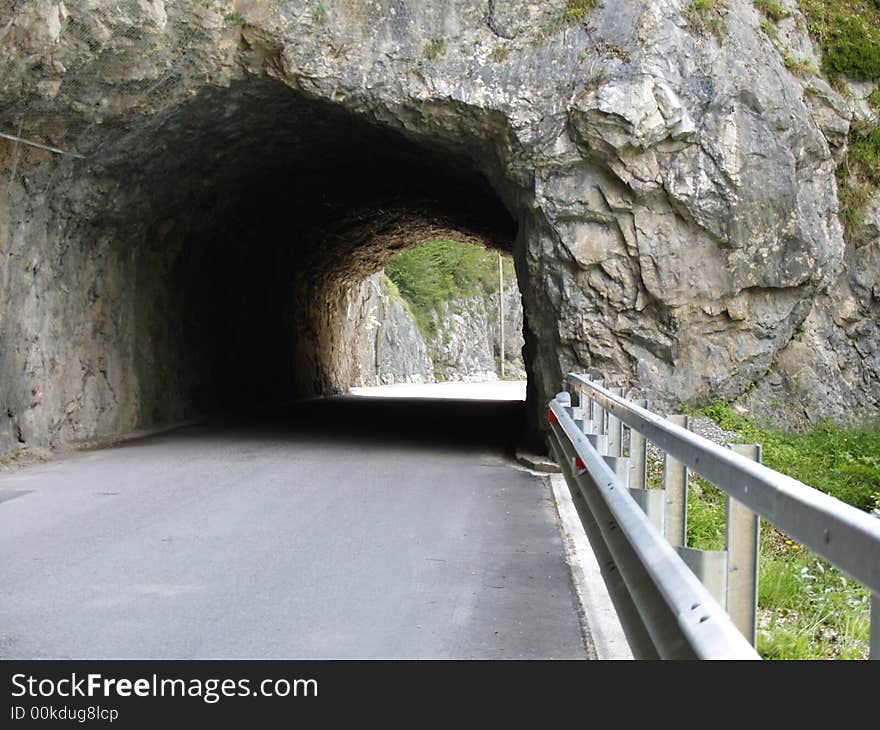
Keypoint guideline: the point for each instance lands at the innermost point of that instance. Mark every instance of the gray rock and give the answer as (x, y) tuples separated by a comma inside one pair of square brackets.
[(383, 343), (669, 199)]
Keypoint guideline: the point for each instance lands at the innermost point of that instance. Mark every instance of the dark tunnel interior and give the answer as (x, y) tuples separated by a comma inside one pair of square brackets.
[(248, 211)]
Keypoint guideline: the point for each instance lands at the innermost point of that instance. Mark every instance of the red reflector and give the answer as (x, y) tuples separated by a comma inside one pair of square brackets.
[(552, 416), (579, 463)]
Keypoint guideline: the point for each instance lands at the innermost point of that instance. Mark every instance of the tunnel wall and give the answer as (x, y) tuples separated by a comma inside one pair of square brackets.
[(672, 196)]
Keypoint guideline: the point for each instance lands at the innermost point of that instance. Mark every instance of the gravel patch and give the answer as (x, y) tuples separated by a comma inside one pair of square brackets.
[(700, 425)]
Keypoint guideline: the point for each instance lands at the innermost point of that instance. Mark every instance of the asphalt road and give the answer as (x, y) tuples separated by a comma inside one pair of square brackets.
[(345, 528)]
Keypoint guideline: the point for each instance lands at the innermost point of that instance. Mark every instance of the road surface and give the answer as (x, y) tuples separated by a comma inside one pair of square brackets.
[(496, 390), (340, 528)]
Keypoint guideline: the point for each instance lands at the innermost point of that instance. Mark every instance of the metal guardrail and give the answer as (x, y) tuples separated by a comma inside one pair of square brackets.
[(639, 535)]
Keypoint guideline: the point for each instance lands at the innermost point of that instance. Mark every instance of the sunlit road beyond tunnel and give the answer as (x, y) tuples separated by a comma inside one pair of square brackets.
[(338, 528)]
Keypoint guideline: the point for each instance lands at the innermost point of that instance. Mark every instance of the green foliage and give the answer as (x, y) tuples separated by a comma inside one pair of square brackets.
[(441, 271), (772, 9), (234, 17), (849, 33), (858, 177), (705, 17), (576, 11), (706, 512), (435, 48), (499, 53), (800, 66), (11, 457), (769, 27), (811, 610), (807, 608), (842, 462), (319, 14)]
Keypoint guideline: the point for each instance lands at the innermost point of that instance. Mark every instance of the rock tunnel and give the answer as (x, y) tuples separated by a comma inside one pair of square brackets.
[(214, 249), (669, 200)]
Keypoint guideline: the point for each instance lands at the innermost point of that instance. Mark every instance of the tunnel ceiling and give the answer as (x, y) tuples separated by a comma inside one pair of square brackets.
[(260, 154)]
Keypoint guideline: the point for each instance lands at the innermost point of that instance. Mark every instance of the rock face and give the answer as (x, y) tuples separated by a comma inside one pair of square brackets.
[(385, 345), (467, 345), (668, 196), (383, 341)]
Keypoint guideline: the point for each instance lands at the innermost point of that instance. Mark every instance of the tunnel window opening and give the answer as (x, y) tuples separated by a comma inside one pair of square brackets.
[(441, 320)]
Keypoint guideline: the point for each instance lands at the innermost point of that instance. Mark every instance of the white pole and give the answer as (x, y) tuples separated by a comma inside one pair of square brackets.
[(501, 310)]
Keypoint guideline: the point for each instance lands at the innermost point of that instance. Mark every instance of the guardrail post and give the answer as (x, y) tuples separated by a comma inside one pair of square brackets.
[(743, 529), (874, 636), (675, 478), (583, 412), (615, 430), (620, 466), (875, 627), (638, 456), (598, 413)]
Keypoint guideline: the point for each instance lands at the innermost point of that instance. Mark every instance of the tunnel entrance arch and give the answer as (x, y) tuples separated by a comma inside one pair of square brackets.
[(215, 243)]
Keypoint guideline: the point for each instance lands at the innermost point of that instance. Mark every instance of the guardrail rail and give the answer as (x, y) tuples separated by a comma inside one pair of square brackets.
[(676, 602)]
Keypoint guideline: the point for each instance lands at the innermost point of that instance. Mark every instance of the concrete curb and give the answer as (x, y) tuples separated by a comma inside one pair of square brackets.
[(543, 464), (602, 630)]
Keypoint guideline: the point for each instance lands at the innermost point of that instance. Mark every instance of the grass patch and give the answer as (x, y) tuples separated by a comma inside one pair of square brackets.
[(772, 10), (576, 11), (800, 66), (441, 271), (842, 462), (706, 17), (848, 32), (499, 53), (858, 178), (12, 457), (435, 48), (769, 27), (807, 608), (319, 14), (706, 511)]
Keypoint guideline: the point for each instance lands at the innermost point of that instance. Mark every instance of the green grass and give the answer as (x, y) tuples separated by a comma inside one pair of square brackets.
[(799, 66), (858, 177), (810, 610), (11, 457), (848, 32), (500, 53), (441, 271), (576, 11), (706, 510), (769, 27), (807, 608), (842, 462), (706, 17), (772, 10), (435, 48)]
